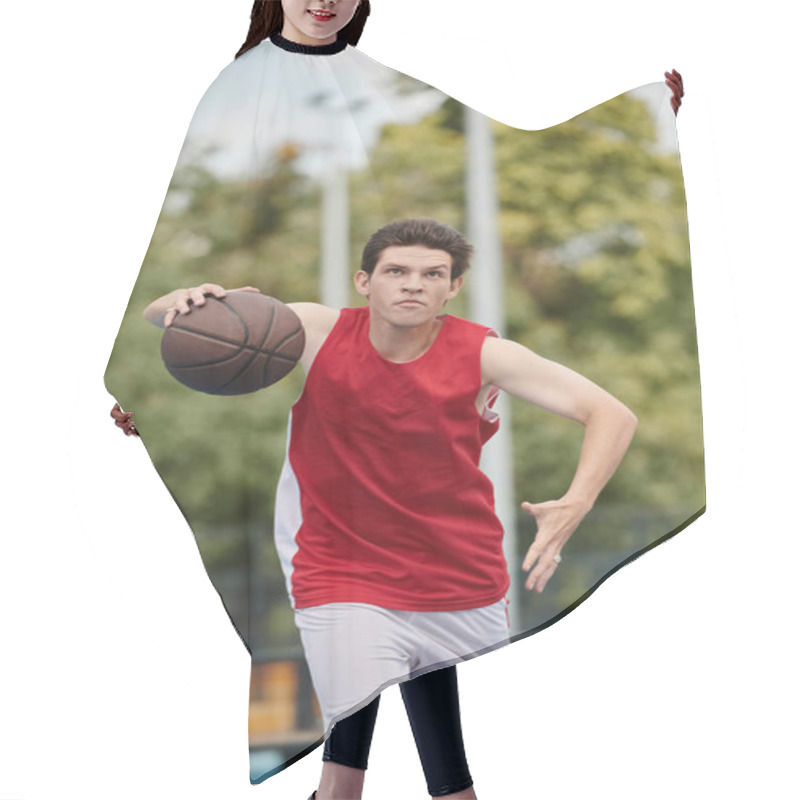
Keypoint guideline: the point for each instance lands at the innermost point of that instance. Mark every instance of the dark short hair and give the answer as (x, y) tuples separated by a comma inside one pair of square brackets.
[(420, 231)]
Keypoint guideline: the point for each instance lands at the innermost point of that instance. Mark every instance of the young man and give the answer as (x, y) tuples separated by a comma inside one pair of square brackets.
[(385, 522)]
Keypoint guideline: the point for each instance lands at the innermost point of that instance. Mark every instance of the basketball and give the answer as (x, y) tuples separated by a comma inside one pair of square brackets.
[(234, 345)]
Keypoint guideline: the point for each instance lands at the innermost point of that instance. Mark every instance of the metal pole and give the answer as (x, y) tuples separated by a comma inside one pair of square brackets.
[(334, 277), (486, 306)]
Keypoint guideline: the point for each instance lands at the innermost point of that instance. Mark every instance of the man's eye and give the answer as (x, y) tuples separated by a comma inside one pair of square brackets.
[(435, 274)]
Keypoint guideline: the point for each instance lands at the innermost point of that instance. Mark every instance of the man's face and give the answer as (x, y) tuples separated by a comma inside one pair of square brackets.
[(409, 285)]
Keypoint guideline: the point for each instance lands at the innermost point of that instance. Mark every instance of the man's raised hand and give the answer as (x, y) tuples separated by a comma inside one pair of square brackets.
[(556, 521)]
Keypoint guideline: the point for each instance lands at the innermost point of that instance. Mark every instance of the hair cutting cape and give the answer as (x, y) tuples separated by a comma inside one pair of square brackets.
[(294, 157)]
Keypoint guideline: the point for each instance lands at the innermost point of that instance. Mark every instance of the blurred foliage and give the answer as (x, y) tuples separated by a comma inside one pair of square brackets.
[(597, 277)]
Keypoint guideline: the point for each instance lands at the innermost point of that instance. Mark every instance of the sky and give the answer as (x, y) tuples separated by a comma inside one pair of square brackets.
[(121, 675)]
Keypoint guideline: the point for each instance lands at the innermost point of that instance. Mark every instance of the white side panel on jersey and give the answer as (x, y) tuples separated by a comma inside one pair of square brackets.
[(288, 517)]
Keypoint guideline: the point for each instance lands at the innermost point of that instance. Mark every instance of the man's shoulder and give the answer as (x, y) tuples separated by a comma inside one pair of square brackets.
[(316, 318), (461, 324)]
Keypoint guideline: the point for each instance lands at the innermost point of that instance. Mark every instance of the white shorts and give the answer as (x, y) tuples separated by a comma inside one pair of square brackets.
[(354, 650)]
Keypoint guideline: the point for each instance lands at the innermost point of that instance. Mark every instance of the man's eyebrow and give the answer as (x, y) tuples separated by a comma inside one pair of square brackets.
[(405, 266)]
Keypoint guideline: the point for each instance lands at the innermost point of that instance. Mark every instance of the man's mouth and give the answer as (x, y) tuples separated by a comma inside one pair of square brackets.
[(323, 16)]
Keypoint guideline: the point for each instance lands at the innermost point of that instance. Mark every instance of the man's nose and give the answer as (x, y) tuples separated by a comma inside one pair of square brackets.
[(412, 283)]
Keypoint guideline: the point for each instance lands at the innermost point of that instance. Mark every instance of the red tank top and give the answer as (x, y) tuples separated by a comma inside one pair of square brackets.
[(394, 509)]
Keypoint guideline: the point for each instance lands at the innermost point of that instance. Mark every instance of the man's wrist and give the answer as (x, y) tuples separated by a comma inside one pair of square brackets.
[(580, 502)]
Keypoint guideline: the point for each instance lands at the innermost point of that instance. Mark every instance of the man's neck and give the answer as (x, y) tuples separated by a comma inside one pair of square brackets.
[(400, 344)]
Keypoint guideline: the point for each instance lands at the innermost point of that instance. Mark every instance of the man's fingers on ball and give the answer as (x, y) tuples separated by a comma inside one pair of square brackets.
[(197, 296), (213, 289)]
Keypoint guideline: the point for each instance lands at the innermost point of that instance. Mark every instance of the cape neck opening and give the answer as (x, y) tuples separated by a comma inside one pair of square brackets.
[(308, 49)]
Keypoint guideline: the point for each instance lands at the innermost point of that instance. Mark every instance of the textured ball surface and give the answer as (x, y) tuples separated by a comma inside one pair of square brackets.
[(234, 345)]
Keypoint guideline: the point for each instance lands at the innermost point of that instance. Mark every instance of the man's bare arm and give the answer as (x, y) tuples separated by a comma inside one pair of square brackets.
[(318, 322), (609, 427)]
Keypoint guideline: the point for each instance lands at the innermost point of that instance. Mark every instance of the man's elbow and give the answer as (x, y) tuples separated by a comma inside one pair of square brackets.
[(616, 413), (629, 420), (611, 412)]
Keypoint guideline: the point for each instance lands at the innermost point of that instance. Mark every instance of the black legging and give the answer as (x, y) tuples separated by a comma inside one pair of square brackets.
[(431, 702)]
